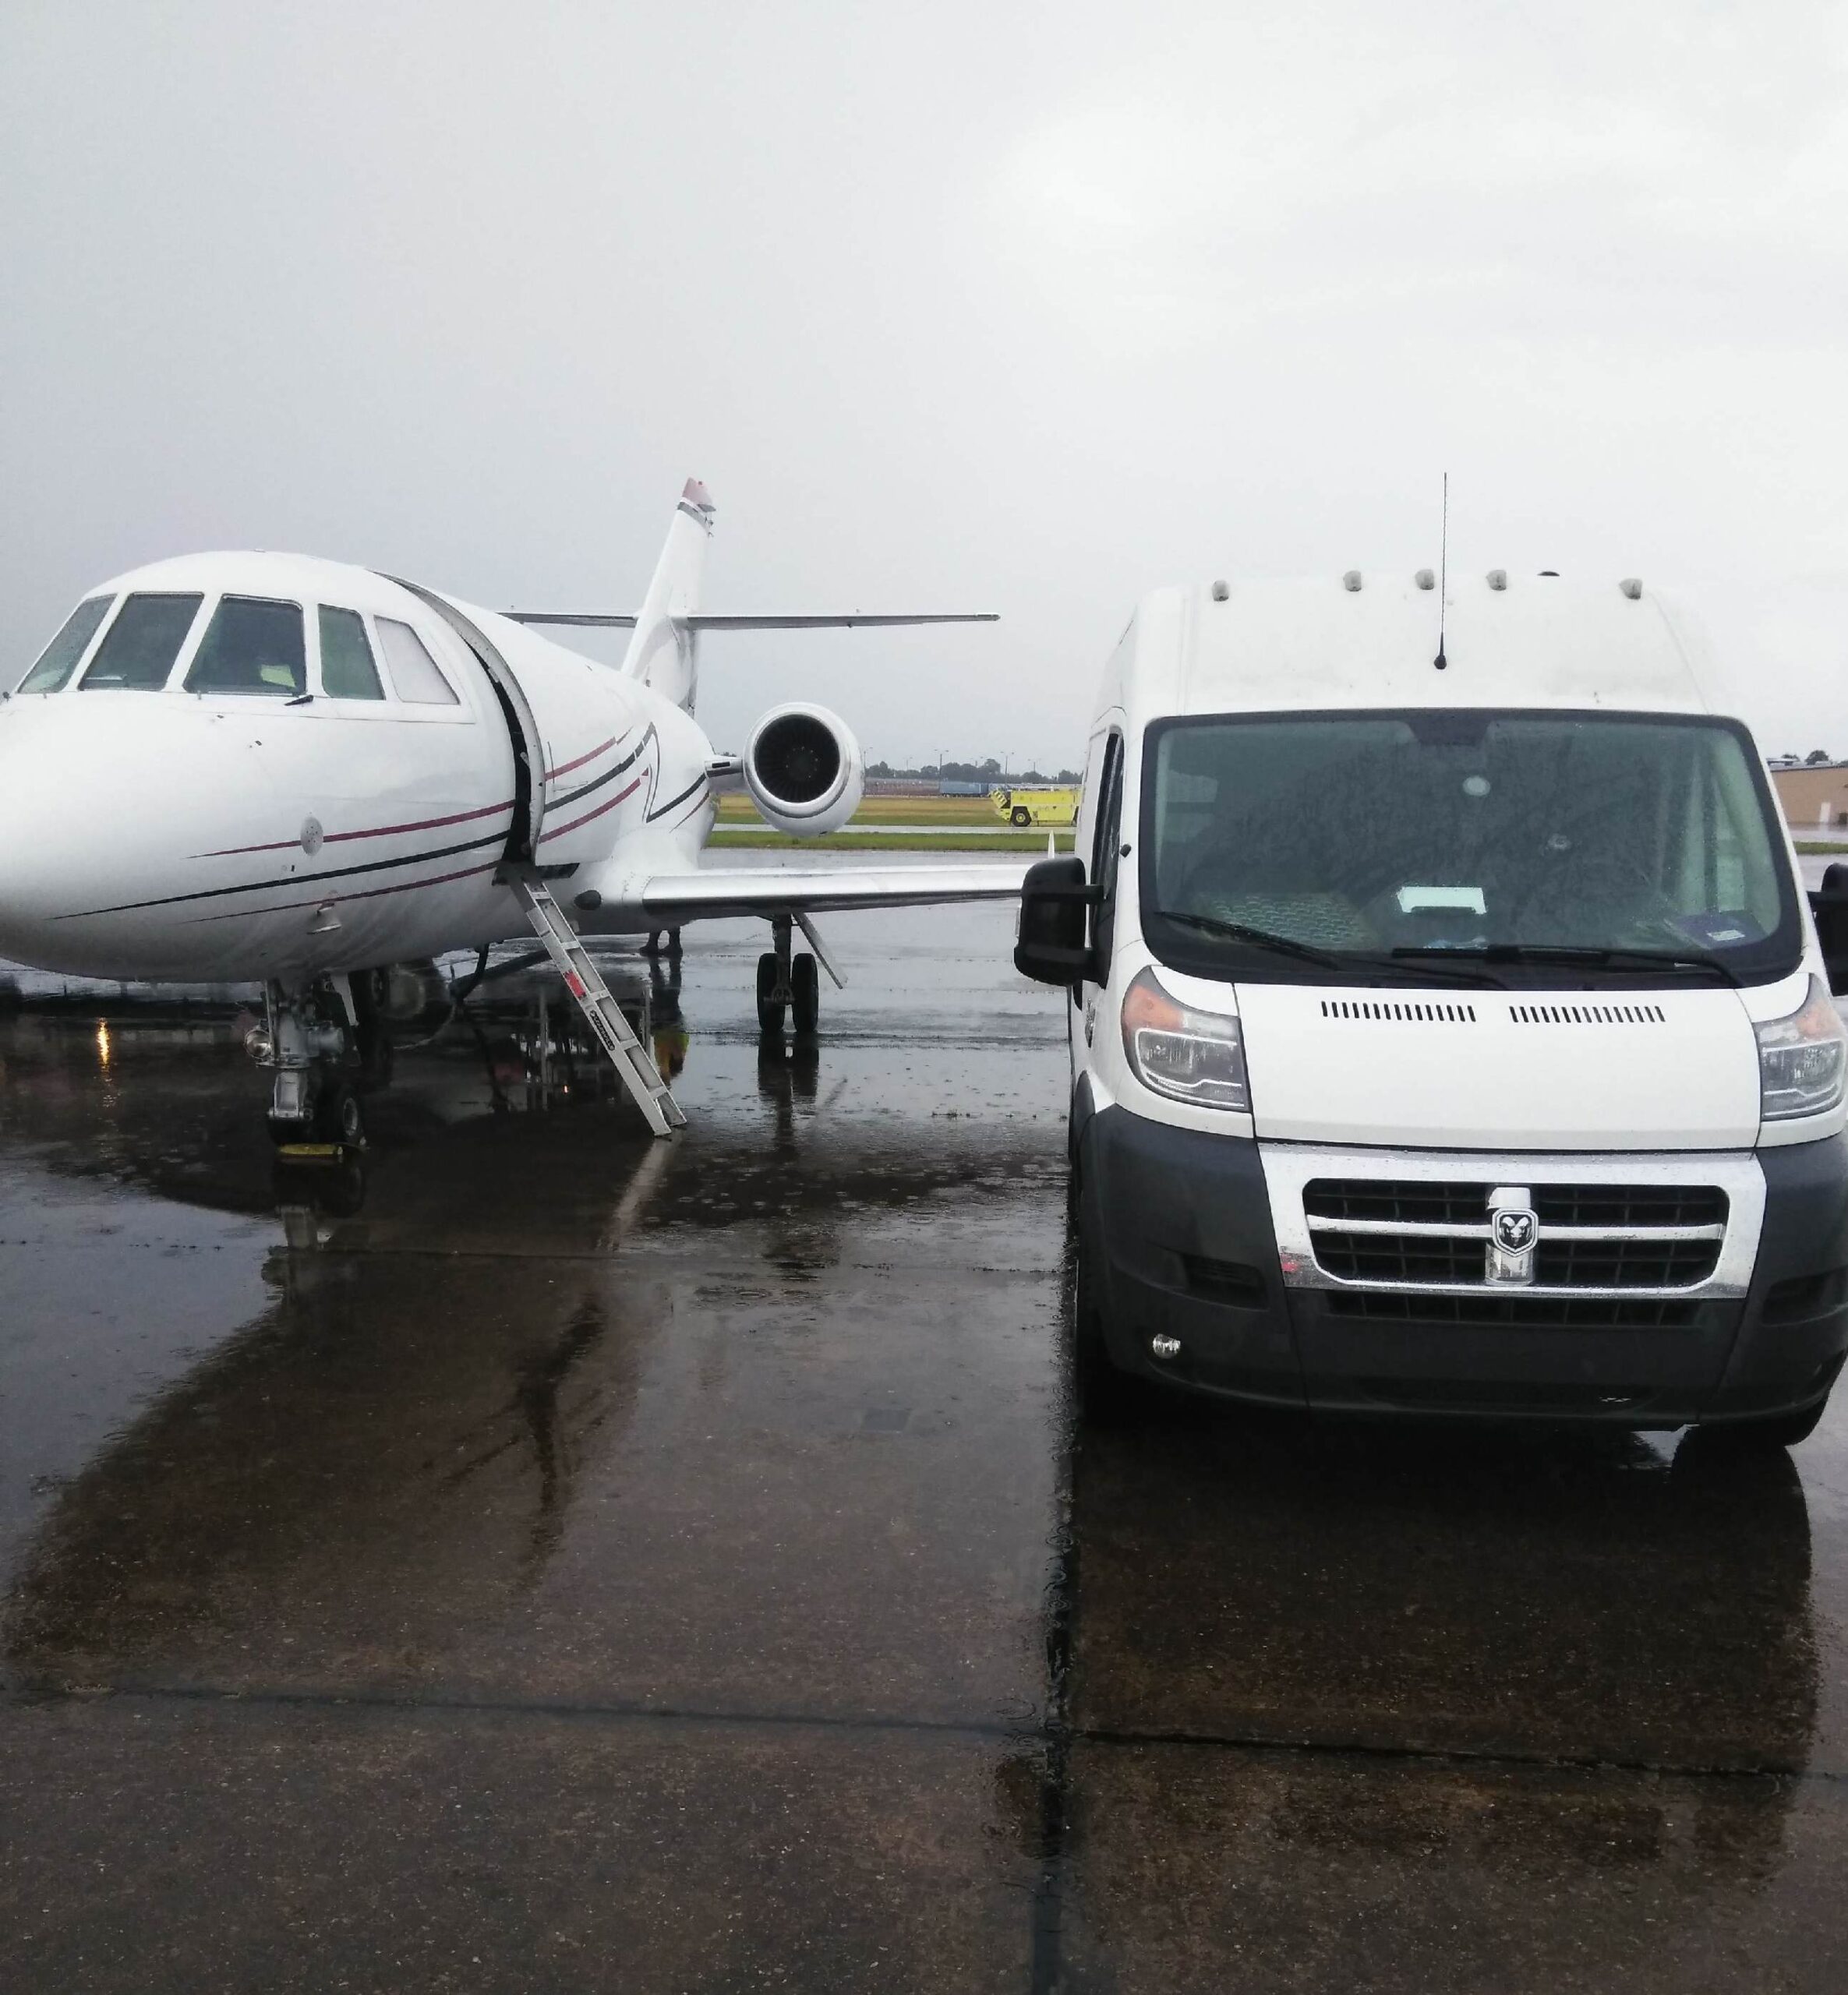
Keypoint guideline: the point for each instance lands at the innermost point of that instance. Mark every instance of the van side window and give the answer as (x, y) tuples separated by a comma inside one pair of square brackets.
[(139, 648), (1105, 847), (415, 674), (59, 659), (347, 671), (252, 645)]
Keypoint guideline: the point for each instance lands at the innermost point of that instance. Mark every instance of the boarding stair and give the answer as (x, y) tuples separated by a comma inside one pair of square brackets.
[(633, 1063)]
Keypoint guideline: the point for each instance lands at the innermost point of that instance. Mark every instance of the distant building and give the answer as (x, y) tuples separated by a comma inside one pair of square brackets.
[(1813, 794)]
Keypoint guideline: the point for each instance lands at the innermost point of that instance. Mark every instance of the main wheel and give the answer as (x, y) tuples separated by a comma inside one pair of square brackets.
[(1021, 815), (769, 1006), (805, 996)]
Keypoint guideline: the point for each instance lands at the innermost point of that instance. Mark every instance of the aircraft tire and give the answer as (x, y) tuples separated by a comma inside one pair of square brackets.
[(339, 1117), (1022, 816), (769, 1006), (805, 996)]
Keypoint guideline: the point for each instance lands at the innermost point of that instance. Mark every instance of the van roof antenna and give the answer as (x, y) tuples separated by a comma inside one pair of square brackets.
[(1444, 556)]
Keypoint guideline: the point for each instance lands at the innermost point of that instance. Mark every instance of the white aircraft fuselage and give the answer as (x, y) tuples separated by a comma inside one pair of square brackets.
[(265, 833)]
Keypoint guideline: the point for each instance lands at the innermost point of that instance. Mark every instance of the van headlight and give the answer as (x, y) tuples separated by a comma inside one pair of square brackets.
[(1187, 1055), (1802, 1059)]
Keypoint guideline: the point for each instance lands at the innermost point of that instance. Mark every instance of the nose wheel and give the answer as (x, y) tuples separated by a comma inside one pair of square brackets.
[(319, 1043)]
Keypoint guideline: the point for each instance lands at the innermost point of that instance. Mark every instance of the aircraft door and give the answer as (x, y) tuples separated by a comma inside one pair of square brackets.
[(522, 728)]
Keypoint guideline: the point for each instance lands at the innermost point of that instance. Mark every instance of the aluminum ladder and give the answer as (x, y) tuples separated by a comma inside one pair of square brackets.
[(633, 1064)]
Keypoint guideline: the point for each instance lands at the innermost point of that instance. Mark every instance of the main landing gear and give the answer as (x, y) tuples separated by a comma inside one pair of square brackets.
[(328, 1044), (787, 982)]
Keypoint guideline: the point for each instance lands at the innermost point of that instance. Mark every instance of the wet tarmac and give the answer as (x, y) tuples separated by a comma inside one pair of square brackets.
[(543, 1559)]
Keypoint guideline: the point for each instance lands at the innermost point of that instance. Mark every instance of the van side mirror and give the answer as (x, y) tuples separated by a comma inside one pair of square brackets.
[(1052, 946), (1829, 904)]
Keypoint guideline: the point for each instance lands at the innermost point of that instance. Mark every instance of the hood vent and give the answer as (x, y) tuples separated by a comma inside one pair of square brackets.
[(1587, 1014), (1407, 1013)]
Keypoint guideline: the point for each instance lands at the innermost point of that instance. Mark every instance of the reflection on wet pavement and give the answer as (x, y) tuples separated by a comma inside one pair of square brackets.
[(536, 1556)]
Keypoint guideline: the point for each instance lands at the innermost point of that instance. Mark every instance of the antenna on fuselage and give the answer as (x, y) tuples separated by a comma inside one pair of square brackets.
[(1444, 559)]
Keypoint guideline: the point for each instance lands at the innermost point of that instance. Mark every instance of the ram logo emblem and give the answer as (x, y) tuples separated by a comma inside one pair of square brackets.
[(1513, 1227), (1515, 1230)]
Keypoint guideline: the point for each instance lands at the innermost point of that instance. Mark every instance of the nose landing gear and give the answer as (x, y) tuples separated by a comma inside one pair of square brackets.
[(326, 1043)]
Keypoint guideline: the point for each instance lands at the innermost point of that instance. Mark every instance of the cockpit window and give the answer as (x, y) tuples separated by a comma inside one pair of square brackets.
[(413, 671), (347, 671), (251, 646), (139, 648), (59, 659)]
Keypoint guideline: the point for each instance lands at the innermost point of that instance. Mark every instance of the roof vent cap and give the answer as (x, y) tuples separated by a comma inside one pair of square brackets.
[(1425, 579), (1632, 586), (1221, 590), (1498, 578), (1351, 581)]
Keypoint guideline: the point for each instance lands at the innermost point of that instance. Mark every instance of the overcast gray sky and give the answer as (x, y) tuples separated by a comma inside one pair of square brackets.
[(980, 304)]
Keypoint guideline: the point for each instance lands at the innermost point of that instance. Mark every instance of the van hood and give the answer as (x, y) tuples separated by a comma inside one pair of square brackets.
[(1443, 1067)]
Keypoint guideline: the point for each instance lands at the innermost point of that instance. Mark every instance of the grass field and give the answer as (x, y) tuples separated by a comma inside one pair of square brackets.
[(759, 837), (970, 810)]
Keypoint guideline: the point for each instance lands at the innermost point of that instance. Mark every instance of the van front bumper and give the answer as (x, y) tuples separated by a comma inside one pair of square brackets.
[(1186, 1245)]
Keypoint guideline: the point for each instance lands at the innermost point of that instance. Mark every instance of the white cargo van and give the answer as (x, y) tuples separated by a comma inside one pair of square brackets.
[(1449, 1032)]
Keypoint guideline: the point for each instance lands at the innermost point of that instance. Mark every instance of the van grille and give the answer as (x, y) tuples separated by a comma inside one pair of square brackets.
[(1409, 1234), (1526, 1312)]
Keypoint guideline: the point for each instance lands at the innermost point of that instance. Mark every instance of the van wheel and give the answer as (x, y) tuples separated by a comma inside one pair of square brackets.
[(1104, 1395), (1784, 1430), (1021, 815)]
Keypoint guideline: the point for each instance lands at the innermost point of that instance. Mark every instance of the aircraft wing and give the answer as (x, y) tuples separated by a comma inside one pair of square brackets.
[(672, 897), (611, 619)]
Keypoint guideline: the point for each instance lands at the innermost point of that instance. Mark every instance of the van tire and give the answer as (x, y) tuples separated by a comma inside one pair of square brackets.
[(1783, 1430), (1103, 1394)]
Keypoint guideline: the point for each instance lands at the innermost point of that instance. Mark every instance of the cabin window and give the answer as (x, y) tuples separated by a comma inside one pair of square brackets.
[(347, 671), (414, 673), (252, 645), (59, 659), (138, 650)]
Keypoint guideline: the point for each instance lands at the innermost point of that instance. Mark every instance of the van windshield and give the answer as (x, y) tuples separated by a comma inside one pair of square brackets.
[(1549, 848)]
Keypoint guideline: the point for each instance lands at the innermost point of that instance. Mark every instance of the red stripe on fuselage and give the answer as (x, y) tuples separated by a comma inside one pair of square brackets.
[(558, 831), (565, 768), (381, 831)]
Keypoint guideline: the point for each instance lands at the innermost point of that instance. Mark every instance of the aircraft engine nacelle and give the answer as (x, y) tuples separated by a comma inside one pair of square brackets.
[(803, 770)]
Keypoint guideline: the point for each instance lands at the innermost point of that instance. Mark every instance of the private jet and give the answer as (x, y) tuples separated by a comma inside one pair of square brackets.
[(272, 769)]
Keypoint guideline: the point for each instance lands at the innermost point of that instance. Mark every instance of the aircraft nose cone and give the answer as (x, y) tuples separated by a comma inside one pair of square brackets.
[(59, 824), (25, 881)]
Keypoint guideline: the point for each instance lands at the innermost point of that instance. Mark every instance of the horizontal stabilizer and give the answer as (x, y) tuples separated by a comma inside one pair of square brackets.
[(711, 894), (602, 619)]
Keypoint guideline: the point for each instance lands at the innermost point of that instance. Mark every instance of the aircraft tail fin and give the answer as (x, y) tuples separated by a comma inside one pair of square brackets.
[(663, 653)]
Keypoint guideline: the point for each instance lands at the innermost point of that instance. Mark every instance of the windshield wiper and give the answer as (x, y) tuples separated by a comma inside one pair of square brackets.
[(1259, 938), (1588, 955), (1285, 945)]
